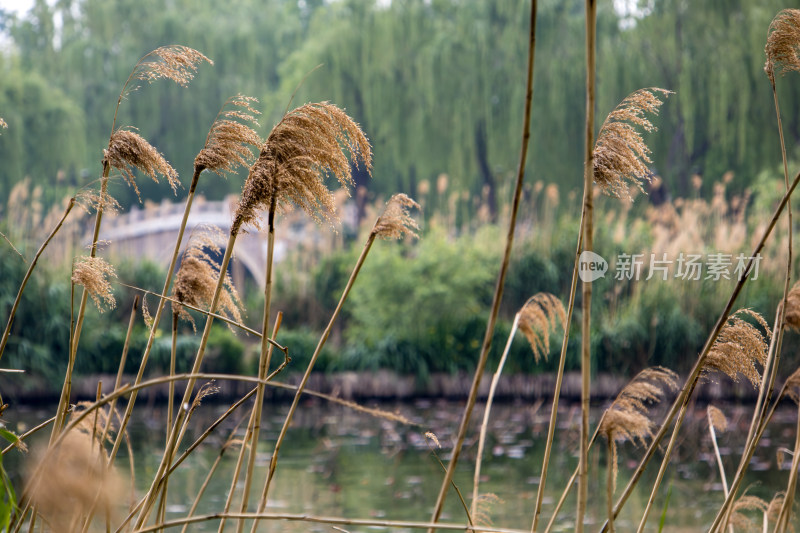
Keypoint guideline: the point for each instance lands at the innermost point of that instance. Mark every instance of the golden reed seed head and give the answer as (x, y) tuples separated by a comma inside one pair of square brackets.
[(432, 436), (783, 43), (92, 274), (739, 347), (484, 506), (792, 386), (208, 389), (228, 140), (537, 318), (793, 307), (96, 423), (307, 143), (198, 275), (743, 522), (128, 150), (73, 480), (627, 418), (620, 154), (646, 388), (174, 62), (395, 222), (774, 508), (717, 419), (90, 200)]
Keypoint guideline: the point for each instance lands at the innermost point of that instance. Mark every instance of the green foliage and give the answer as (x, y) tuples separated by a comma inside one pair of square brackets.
[(301, 342), (9, 503), (225, 352), (45, 135), (398, 68), (420, 303)]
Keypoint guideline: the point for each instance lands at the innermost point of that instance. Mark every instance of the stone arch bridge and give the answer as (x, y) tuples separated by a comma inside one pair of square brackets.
[(151, 231)]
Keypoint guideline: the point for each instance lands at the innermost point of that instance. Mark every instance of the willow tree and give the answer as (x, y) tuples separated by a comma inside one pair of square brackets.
[(433, 81)]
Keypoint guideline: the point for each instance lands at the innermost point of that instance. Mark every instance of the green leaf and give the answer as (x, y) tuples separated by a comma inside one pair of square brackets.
[(11, 437), (664, 511)]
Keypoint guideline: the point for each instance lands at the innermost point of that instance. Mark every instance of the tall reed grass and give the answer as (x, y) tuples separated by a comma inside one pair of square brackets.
[(73, 482)]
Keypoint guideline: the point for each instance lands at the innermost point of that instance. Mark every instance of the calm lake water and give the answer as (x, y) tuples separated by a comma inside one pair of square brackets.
[(337, 462)]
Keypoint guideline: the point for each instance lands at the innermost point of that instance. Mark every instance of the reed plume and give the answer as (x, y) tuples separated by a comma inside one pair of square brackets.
[(540, 314), (89, 201), (739, 347), (92, 274), (783, 44), (173, 62), (198, 276), (620, 154), (228, 140), (395, 217), (482, 516), (308, 142), (127, 150), (537, 318), (225, 149), (792, 386), (716, 419), (791, 389), (793, 307), (627, 418), (742, 522), (717, 422), (395, 222), (76, 480)]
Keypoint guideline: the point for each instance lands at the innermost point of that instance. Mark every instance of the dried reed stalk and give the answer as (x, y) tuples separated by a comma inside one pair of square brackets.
[(785, 515), (781, 51), (783, 41), (334, 521), (696, 371), (394, 223), (540, 314), (588, 245), (627, 419), (288, 169), (126, 149), (551, 428), (791, 384), (225, 149), (231, 442), (28, 274), (739, 346), (306, 143), (717, 421), (617, 157), (248, 438), (91, 273), (498, 293)]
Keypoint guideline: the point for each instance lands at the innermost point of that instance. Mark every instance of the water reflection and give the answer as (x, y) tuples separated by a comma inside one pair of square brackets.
[(337, 462)]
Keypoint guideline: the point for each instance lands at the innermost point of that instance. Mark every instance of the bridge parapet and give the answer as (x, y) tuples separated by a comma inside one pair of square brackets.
[(150, 232)]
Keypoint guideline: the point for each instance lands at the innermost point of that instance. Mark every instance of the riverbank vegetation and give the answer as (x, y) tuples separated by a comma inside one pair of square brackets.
[(694, 279)]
